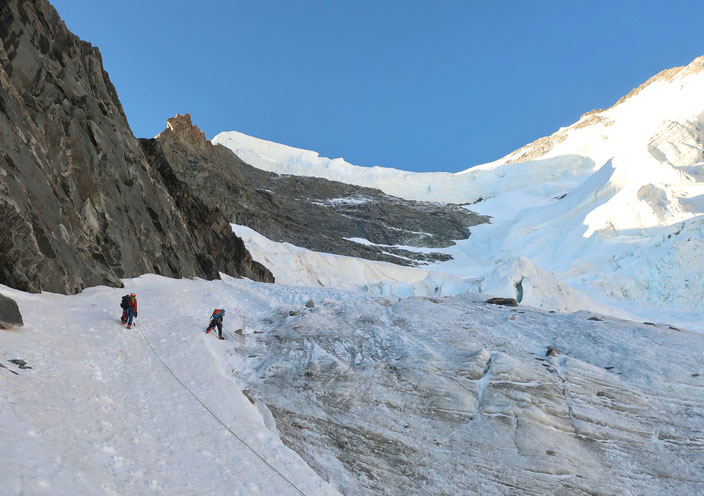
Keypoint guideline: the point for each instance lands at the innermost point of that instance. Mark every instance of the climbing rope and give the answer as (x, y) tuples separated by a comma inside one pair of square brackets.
[(215, 416)]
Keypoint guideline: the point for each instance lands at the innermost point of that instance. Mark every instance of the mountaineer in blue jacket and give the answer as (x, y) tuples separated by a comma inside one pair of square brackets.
[(216, 320)]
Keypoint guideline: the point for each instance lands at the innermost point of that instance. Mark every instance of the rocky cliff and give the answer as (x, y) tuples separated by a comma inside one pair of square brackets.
[(310, 212), (79, 203)]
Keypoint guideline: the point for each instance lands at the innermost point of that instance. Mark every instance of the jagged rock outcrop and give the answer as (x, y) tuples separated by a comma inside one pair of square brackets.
[(217, 247), (10, 315), (80, 205), (507, 302), (314, 213)]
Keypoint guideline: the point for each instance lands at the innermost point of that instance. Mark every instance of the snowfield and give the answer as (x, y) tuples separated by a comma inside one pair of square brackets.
[(295, 266), (607, 211), (356, 393), (98, 413)]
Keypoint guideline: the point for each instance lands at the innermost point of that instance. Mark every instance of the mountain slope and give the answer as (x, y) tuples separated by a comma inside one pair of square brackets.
[(663, 111), (97, 412), (610, 206)]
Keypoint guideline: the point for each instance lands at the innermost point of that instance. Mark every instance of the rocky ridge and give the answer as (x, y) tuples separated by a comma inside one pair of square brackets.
[(310, 212)]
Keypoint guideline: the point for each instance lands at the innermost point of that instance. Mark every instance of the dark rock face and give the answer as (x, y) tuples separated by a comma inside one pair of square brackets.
[(79, 203), (314, 213), (552, 351), (217, 247), (10, 315), (508, 302), (20, 363)]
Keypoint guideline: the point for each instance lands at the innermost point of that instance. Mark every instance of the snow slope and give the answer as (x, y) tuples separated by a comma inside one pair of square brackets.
[(98, 413), (610, 207), (369, 392), (452, 396), (375, 395), (293, 265)]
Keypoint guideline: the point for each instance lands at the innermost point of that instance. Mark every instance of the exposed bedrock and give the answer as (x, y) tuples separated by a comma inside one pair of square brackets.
[(79, 203), (314, 213)]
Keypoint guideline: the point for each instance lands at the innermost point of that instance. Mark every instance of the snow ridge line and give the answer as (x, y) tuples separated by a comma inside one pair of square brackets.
[(215, 416)]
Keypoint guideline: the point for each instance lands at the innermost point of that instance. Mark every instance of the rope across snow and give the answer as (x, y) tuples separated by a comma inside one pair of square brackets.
[(215, 416)]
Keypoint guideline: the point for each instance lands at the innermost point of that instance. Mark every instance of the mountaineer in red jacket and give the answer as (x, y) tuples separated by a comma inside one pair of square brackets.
[(129, 309)]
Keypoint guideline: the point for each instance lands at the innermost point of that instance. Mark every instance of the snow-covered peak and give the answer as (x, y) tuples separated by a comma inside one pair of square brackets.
[(645, 122), (611, 205), (283, 159), (662, 97)]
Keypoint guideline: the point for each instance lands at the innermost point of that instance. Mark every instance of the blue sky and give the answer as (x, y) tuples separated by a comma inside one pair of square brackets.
[(415, 85)]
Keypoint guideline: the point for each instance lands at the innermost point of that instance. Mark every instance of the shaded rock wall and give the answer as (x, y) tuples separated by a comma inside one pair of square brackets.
[(79, 203), (217, 247)]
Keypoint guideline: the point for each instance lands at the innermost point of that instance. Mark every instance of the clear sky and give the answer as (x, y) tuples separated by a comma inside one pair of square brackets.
[(415, 85)]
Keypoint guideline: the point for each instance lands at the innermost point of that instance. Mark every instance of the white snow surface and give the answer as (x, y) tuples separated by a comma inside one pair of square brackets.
[(380, 395), (295, 266), (292, 265), (612, 210), (98, 413)]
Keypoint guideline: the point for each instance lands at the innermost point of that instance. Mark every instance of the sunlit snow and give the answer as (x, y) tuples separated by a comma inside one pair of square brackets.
[(611, 212)]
